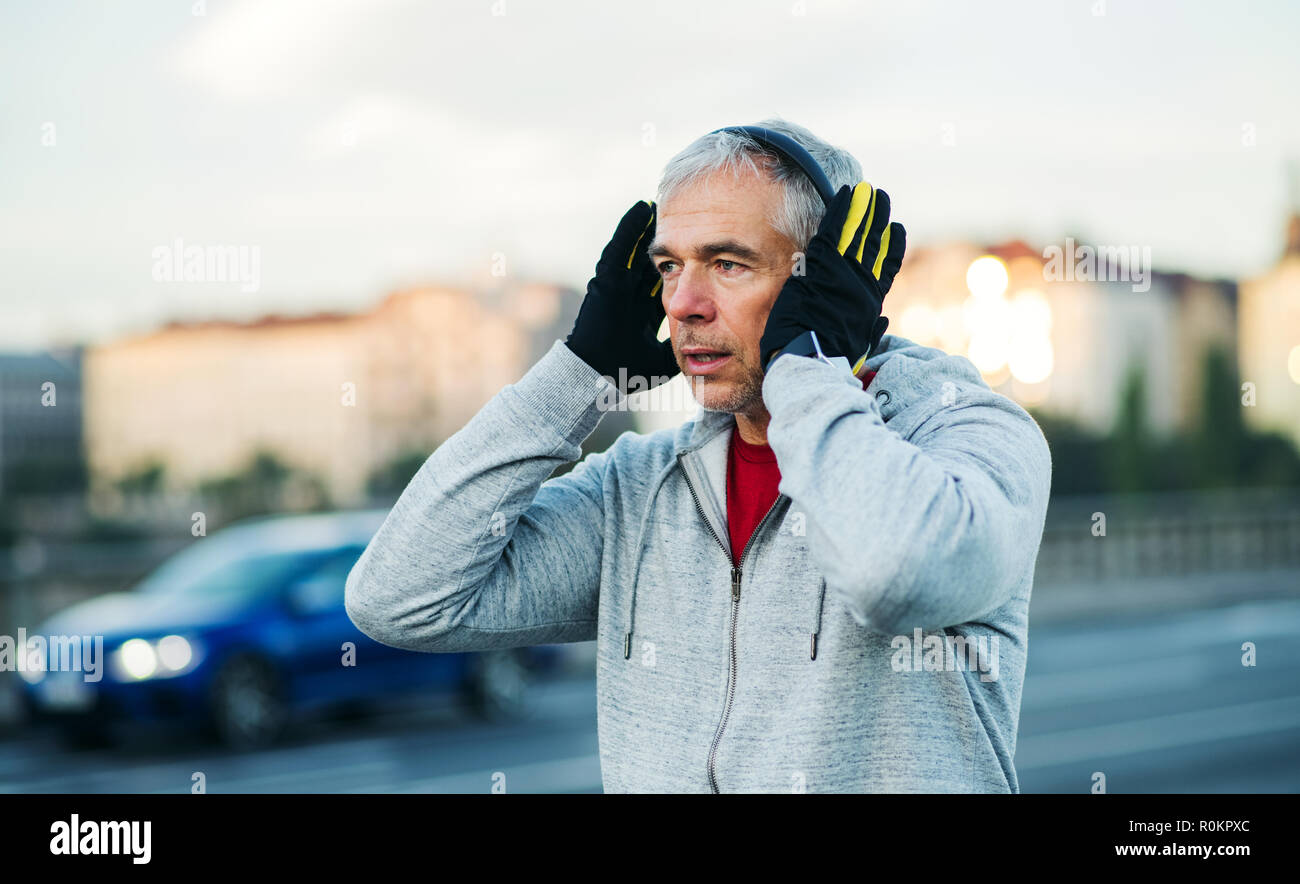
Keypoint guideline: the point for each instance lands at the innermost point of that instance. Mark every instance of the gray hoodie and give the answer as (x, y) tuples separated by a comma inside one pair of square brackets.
[(872, 638)]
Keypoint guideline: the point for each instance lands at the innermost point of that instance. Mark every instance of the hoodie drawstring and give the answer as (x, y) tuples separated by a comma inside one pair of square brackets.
[(636, 565), (817, 619), (636, 570)]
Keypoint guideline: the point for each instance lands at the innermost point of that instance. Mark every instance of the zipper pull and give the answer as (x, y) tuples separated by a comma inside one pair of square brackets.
[(735, 584)]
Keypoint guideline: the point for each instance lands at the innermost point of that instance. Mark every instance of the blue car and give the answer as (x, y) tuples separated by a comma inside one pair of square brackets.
[(243, 632)]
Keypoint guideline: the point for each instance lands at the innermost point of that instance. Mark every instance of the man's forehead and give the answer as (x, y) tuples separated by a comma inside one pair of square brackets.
[(718, 209), (740, 193)]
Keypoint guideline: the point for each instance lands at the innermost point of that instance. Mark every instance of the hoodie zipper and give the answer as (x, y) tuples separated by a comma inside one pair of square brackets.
[(736, 572)]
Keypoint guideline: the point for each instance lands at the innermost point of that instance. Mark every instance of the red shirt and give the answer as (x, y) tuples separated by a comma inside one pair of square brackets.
[(752, 480)]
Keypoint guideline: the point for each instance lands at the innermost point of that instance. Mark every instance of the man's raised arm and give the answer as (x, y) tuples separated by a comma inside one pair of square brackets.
[(481, 551), (927, 533)]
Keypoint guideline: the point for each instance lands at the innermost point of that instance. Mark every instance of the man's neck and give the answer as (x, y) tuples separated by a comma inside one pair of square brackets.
[(753, 427)]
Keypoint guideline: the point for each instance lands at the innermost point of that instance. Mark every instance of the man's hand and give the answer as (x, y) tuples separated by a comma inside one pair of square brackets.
[(618, 324), (849, 268)]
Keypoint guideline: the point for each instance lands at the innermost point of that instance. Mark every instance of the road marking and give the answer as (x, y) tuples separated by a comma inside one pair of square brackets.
[(1062, 647), (1116, 680), (1160, 732), (578, 774)]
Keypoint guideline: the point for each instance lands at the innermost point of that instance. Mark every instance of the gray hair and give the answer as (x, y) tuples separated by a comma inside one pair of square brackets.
[(802, 210)]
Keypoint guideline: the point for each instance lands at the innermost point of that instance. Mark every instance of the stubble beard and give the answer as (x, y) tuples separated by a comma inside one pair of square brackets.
[(744, 396)]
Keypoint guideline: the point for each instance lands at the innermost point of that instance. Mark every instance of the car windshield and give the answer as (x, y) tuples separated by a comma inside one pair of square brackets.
[(235, 574)]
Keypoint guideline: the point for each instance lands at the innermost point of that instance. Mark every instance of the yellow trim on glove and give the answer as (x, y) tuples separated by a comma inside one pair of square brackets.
[(884, 250), (864, 202), (632, 256)]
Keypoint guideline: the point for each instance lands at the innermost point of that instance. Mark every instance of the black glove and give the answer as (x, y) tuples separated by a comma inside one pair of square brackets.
[(618, 323), (849, 267)]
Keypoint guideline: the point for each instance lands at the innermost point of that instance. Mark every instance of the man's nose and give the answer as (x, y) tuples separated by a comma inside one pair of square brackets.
[(692, 296)]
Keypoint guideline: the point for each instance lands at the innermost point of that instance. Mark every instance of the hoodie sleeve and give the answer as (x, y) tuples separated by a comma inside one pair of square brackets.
[(481, 550), (930, 530)]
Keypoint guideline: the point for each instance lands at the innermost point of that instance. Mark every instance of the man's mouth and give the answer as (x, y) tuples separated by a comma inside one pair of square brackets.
[(705, 361)]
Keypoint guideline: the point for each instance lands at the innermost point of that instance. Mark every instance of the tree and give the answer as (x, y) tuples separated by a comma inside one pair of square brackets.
[(1128, 449), (145, 479), (1077, 463), (391, 479), (258, 489), (1219, 441)]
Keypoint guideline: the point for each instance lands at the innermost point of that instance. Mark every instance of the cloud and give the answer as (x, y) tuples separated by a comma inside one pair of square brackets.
[(270, 50), (378, 120)]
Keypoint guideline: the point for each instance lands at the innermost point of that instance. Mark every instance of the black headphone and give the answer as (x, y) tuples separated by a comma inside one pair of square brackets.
[(791, 150)]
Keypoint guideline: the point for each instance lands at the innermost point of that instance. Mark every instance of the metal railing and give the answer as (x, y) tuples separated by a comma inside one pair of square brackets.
[(1164, 535)]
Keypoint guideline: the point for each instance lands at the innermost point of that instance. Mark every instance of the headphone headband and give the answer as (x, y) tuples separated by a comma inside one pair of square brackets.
[(791, 150)]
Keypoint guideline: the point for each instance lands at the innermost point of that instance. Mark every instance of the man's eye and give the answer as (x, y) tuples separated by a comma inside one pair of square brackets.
[(734, 265), (664, 267)]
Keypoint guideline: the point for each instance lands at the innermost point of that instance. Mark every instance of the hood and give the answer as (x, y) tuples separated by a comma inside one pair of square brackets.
[(893, 349), (699, 460), (120, 615)]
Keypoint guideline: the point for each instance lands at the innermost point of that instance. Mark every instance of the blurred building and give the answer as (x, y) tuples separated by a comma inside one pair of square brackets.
[(335, 395), (40, 422), (1269, 340), (1066, 345)]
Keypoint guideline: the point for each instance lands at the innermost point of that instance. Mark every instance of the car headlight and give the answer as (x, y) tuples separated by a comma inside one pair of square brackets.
[(139, 659), (174, 653), (136, 658)]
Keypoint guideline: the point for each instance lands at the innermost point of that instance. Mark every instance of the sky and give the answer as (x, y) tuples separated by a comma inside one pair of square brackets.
[(357, 146)]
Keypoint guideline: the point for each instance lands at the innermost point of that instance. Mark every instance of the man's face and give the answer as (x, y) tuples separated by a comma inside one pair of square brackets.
[(723, 266)]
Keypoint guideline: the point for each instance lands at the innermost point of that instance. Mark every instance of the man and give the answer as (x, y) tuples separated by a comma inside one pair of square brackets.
[(821, 583)]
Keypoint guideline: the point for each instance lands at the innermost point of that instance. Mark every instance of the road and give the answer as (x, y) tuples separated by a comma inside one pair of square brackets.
[(1157, 704)]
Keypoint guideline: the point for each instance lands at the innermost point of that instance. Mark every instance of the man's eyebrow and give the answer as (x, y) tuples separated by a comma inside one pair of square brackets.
[(710, 250)]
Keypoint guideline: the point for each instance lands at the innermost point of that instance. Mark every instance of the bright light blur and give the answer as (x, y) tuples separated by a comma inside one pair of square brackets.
[(1031, 355), (137, 658), (1003, 338), (919, 322), (1031, 361), (988, 321), (952, 334), (174, 652), (1030, 313), (987, 277), (1293, 363), (988, 351)]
